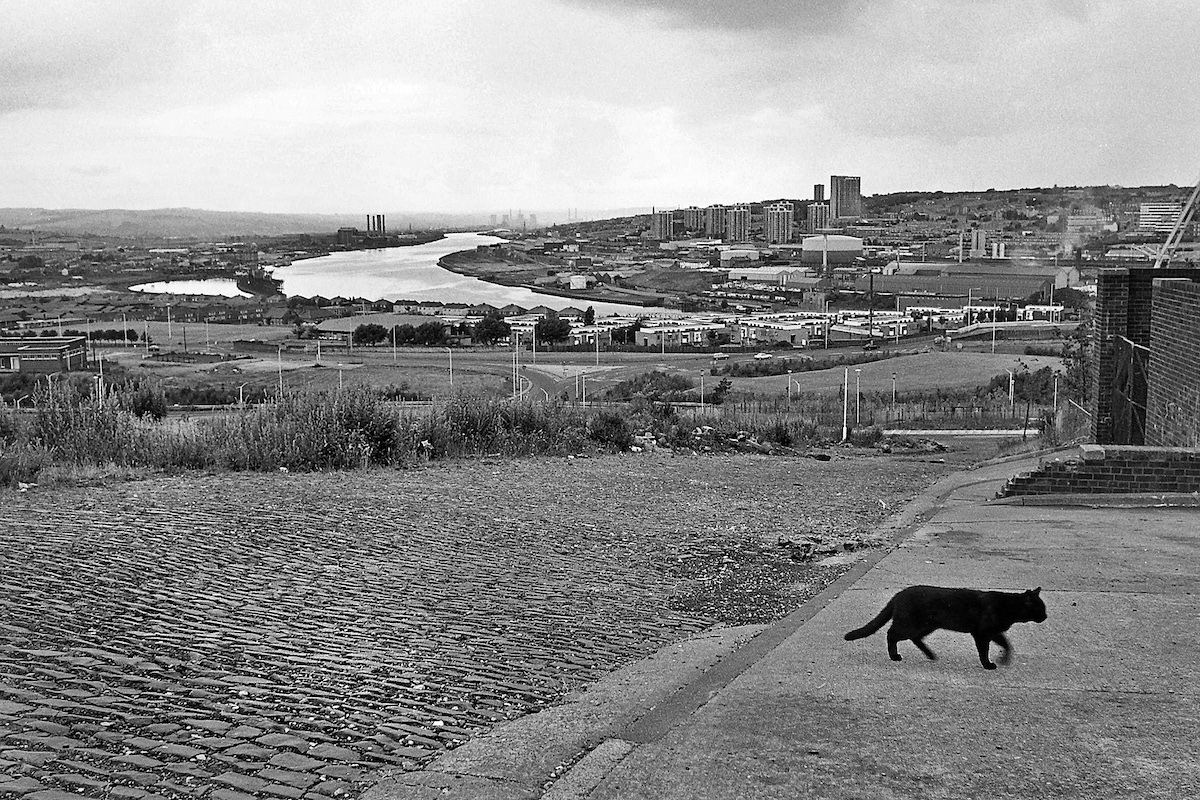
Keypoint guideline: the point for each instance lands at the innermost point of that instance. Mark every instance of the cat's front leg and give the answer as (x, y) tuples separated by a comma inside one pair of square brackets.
[(1006, 654), (981, 644)]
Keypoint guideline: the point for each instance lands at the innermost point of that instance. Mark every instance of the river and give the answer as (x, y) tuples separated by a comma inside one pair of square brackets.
[(412, 273)]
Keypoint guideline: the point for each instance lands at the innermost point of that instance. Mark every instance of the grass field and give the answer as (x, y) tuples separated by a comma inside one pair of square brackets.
[(426, 371)]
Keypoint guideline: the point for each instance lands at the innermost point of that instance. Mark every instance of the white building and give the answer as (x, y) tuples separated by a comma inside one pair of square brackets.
[(1158, 217), (777, 222), (818, 216), (677, 333)]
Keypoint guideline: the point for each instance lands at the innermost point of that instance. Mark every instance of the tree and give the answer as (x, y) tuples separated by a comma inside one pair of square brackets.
[(404, 334), (589, 316), (1072, 299), (552, 329), (491, 329), (430, 334), (30, 263), (371, 333)]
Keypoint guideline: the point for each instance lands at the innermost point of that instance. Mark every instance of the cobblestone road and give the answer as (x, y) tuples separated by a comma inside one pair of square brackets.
[(281, 636)]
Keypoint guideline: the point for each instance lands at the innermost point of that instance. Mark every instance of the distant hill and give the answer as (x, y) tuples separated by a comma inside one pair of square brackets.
[(195, 223)]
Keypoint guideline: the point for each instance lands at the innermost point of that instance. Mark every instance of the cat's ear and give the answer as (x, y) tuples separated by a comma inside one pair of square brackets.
[(1036, 591)]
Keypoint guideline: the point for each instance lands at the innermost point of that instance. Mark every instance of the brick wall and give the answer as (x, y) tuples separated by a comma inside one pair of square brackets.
[(1112, 469), (1110, 321), (1173, 397), (1124, 307)]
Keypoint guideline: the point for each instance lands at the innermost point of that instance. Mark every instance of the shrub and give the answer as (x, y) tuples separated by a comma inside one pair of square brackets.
[(610, 428), (866, 437)]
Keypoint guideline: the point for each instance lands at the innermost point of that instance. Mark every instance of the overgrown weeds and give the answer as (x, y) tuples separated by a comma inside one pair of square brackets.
[(66, 431)]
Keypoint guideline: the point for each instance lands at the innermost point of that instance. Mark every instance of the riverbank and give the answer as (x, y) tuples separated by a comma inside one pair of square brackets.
[(505, 272)]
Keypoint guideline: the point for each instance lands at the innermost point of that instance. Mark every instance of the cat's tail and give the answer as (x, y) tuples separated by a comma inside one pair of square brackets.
[(872, 626)]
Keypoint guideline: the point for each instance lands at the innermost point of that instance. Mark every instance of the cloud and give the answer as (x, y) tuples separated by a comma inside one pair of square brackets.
[(761, 16)]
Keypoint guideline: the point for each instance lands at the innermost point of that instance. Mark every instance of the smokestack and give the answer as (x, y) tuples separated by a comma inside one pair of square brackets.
[(368, 223), (383, 224)]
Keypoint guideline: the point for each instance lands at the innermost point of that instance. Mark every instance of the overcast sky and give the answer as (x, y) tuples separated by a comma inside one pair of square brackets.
[(452, 105)]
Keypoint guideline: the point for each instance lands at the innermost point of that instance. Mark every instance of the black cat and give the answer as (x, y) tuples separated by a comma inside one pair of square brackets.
[(918, 611)]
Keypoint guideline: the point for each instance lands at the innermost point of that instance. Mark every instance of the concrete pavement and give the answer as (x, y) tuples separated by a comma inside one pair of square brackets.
[(1099, 701)]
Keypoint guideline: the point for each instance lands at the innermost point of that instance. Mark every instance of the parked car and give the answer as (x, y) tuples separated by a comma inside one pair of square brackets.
[(762, 356), (720, 356)]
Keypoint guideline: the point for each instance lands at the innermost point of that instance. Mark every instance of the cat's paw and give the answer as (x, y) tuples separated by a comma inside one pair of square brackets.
[(895, 657), (989, 665)]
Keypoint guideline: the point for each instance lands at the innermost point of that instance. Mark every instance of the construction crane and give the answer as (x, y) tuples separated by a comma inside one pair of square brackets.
[(1176, 235)]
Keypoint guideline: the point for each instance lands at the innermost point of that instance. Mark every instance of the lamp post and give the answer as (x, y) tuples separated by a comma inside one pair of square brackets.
[(857, 397), (893, 391), (972, 289), (995, 310), (701, 391), (241, 396), (789, 387), (279, 359), (1011, 381), (451, 354), (1056, 392), (845, 404)]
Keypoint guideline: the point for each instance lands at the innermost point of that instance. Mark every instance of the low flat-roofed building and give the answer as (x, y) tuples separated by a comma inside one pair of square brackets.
[(43, 354), (678, 333)]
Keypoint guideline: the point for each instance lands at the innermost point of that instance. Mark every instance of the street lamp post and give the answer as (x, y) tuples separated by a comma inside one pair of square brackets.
[(451, 354), (995, 311), (893, 391), (972, 289), (701, 391), (1011, 381), (789, 387), (241, 396), (845, 404), (1056, 392), (279, 359), (857, 398)]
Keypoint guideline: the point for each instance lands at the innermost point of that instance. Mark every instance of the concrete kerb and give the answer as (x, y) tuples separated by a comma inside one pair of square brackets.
[(1130, 500), (565, 751)]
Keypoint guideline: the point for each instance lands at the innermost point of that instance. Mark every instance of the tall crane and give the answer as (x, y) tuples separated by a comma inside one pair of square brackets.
[(1176, 235)]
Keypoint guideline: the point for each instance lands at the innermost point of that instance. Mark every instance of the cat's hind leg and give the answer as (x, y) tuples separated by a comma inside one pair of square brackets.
[(982, 641), (1005, 649), (892, 639), (924, 648)]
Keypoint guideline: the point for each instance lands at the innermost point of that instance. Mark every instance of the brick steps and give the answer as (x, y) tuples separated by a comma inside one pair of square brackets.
[(1107, 469)]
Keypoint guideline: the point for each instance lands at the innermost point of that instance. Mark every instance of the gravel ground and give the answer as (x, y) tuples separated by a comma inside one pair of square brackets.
[(235, 636)]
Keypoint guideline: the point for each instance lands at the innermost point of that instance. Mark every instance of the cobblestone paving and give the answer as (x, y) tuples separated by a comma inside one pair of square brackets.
[(281, 636)]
